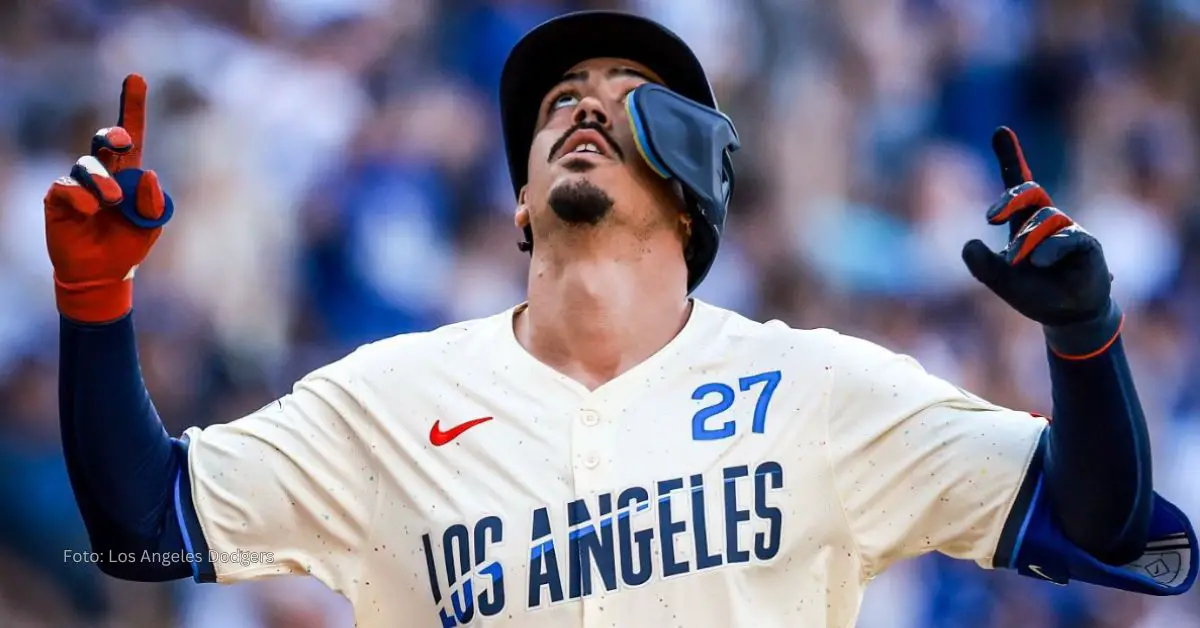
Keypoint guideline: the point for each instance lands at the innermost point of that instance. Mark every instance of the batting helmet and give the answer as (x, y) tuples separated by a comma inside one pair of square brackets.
[(678, 129)]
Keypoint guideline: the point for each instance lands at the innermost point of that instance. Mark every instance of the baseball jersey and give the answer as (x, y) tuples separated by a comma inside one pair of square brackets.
[(747, 474)]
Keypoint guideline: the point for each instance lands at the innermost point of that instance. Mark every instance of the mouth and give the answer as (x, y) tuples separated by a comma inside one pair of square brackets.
[(584, 143)]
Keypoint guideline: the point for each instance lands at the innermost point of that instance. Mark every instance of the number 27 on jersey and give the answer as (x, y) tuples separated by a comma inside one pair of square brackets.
[(722, 396)]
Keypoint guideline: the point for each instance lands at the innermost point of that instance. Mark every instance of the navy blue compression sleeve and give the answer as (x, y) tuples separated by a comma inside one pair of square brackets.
[(1095, 457), (128, 475), (1098, 466)]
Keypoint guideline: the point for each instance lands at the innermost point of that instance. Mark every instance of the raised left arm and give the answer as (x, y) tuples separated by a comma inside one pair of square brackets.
[(1090, 486)]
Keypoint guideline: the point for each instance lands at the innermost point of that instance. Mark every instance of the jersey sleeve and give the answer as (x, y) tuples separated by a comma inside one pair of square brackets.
[(289, 489), (919, 464)]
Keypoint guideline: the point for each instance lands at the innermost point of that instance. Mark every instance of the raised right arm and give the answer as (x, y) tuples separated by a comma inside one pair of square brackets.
[(286, 490), (101, 222)]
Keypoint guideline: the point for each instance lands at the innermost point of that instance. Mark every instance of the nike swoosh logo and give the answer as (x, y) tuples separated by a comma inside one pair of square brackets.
[(1026, 229), (1038, 570), (439, 437)]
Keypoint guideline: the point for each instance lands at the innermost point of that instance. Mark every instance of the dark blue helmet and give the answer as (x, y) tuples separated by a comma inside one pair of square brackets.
[(680, 132)]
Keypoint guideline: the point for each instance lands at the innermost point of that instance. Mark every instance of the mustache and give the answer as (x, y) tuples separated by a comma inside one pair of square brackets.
[(591, 126)]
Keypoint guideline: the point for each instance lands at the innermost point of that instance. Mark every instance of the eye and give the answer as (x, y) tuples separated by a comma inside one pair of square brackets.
[(565, 99)]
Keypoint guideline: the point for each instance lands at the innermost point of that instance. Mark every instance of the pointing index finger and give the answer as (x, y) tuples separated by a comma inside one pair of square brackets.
[(1013, 168), (133, 117)]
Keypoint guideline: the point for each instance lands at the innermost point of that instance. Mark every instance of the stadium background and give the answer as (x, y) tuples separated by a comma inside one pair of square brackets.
[(339, 177)]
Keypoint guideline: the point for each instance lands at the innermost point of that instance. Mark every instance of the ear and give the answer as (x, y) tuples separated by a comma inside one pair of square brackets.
[(521, 218)]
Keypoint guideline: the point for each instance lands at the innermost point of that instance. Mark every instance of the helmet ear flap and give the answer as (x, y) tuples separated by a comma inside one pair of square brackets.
[(727, 177), (691, 143)]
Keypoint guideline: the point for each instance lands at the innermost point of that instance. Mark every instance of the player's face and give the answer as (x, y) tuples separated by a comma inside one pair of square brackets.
[(584, 167)]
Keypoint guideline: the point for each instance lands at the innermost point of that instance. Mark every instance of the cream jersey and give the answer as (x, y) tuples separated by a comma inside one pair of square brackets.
[(747, 474)]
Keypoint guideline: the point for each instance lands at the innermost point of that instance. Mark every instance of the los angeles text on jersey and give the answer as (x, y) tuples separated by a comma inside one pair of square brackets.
[(611, 542)]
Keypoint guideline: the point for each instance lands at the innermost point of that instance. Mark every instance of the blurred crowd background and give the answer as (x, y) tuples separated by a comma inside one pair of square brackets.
[(339, 177)]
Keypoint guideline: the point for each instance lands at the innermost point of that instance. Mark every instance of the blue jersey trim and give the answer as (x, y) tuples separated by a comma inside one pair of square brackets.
[(203, 570), (187, 539), (1016, 551)]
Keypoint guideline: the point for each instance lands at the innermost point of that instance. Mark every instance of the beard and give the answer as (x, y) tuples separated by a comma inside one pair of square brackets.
[(580, 202)]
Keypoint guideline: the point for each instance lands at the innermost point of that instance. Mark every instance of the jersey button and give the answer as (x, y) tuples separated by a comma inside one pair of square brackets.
[(592, 461), (589, 418)]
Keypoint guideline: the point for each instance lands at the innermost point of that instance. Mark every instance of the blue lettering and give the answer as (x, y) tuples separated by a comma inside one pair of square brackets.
[(577, 519), (603, 552), (456, 536), (590, 542), (771, 379), (703, 432), (669, 528), (433, 580), (456, 540), (704, 560), (633, 575), (766, 545), (734, 515), (543, 562), (475, 583), (465, 611), (490, 602)]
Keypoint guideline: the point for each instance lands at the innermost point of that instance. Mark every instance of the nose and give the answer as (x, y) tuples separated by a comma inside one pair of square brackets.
[(591, 109)]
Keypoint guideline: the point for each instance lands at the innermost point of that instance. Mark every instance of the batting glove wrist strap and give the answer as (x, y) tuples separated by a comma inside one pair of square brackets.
[(93, 302), (1087, 339)]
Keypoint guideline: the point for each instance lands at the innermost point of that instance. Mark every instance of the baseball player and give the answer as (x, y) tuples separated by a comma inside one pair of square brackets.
[(612, 452)]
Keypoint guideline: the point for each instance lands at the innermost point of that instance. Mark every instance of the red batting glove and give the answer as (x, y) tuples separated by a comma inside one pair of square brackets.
[(102, 219)]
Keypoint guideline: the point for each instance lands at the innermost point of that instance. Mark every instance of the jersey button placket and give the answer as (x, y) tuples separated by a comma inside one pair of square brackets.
[(592, 444), (590, 440)]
